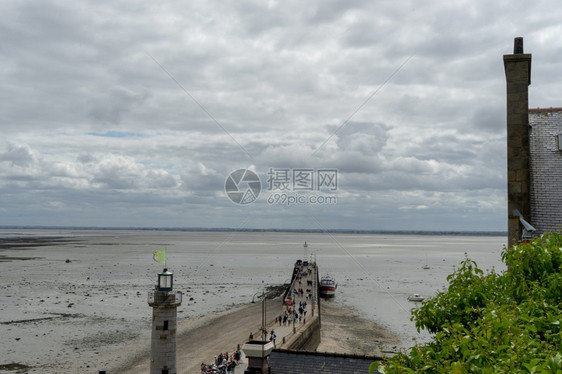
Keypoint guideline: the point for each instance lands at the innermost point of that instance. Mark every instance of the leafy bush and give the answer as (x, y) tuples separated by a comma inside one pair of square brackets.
[(494, 323)]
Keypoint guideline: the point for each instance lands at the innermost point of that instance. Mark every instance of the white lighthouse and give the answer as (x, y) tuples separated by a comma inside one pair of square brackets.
[(164, 302)]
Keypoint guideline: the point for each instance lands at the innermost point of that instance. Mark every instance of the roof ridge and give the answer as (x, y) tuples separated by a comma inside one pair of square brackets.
[(551, 109), (332, 354)]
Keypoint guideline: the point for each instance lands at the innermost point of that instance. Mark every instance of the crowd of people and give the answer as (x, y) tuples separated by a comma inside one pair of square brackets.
[(294, 312), (224, 363), (292, 315)]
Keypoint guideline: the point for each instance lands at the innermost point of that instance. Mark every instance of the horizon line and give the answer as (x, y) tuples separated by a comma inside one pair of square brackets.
[(227, 229)]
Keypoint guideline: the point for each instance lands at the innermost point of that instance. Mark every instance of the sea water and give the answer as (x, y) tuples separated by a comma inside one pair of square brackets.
[(375, 272)]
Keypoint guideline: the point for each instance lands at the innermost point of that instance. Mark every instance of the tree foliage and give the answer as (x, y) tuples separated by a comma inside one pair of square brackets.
[(494, 323)]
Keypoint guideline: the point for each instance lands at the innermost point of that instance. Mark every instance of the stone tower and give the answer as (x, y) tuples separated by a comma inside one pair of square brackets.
[(518, 76), (164, 302)]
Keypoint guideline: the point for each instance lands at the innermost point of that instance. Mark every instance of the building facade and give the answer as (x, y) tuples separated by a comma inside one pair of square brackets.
[(545, 136), (534, 155)]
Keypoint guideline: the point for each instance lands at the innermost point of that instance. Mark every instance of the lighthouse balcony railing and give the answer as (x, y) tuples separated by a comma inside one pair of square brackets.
[(172, 297)]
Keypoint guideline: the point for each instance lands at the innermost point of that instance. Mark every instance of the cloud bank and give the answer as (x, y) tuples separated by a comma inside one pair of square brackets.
[(133, 114)]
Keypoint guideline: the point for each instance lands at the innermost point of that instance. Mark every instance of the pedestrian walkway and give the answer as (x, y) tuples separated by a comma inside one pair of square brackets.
[(299, 307)]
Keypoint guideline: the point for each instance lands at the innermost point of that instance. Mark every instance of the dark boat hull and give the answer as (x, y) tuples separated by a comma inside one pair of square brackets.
[(327, 292)]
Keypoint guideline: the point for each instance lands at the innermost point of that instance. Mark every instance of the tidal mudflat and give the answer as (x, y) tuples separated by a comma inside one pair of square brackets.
[(76, 300)]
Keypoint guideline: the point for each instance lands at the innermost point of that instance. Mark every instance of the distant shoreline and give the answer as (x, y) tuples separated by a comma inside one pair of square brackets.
[(224, 229)]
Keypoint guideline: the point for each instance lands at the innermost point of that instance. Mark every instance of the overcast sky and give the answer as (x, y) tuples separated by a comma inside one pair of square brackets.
[(133, 113)]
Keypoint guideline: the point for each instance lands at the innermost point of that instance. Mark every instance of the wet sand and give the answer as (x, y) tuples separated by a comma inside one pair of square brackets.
[(346, 332)]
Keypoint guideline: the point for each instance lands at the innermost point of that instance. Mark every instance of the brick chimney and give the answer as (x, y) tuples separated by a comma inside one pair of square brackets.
[(518, 77)]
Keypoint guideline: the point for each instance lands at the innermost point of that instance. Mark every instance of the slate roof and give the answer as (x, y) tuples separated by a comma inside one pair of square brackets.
[(545, 148), (283, 361)]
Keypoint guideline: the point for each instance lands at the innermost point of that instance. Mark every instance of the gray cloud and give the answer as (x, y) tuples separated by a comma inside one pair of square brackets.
[(18, 155), (109, 107), (90, 121)]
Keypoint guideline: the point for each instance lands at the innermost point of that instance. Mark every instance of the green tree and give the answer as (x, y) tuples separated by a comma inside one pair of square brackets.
[(494, 323)]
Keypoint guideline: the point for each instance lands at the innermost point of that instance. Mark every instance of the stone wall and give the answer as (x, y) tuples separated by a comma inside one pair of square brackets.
[(307, 338), (164, 327), (518, 77)]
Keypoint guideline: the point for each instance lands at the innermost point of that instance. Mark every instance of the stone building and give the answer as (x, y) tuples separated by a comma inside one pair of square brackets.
[(534, 155)]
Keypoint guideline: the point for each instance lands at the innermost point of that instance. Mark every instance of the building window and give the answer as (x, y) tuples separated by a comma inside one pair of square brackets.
[(165, 326)]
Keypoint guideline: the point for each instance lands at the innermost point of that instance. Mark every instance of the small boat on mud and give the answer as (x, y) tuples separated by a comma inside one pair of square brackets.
[(328, 286), (416, 298)]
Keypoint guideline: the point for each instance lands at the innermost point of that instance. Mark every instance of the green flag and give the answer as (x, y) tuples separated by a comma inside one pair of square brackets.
[(159, 255)]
